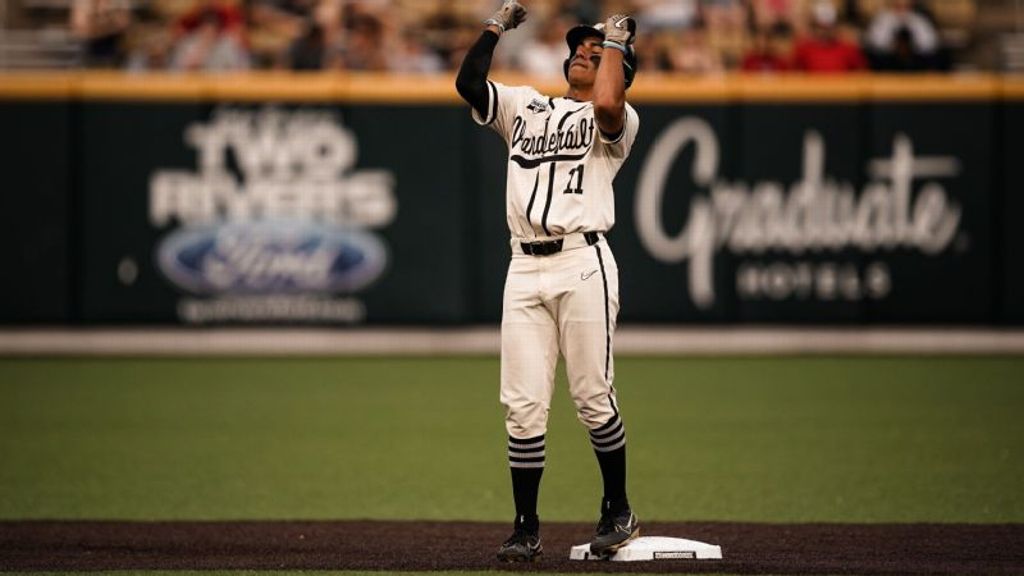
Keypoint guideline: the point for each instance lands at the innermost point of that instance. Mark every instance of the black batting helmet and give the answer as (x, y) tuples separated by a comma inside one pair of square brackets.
[(576, 35)]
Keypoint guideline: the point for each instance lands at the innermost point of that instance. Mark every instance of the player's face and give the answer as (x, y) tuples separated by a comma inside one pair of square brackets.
[(583, 66)]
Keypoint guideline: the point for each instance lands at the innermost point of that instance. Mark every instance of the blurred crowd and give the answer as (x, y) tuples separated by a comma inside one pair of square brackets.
[(428, 36)]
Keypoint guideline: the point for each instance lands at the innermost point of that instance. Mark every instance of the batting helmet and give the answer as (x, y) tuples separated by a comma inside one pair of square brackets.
[(575, 37)]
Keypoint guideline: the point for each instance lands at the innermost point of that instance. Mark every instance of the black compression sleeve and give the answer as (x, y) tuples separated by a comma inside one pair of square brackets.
[(472, 80)]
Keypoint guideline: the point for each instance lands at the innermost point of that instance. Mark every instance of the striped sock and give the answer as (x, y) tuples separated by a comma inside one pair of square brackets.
[(610, 436), (526, 452)]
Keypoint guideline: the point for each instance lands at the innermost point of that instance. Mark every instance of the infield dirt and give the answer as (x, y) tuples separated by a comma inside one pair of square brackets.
[(747, 548)]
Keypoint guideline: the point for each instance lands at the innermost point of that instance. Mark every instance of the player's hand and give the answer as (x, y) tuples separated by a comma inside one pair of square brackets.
[(621, 29), (510, 15)]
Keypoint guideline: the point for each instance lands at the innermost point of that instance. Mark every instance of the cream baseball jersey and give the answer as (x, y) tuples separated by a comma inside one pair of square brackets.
[(560, 164)]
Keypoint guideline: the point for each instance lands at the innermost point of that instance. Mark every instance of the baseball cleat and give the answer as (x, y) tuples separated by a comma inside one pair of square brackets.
[(614, 531), (521, 546)]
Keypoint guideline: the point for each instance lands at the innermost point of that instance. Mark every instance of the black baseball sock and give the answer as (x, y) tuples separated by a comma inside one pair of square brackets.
[(525, 487), (526, 458), (613, 472), (609, 442)]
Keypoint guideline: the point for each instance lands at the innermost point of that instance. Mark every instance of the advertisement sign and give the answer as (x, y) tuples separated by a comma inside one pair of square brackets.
[(670, 270), (796, 255), (826, 218), (220, 213), (933, 167), (1011, 261), (269, 214), (35, 213), (486, 192)]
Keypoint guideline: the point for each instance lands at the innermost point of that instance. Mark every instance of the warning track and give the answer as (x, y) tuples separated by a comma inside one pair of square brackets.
[(747, 548)]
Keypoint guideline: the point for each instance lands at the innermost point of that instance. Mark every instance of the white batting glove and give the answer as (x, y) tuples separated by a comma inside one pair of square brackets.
[(620, 29), (510, 15)]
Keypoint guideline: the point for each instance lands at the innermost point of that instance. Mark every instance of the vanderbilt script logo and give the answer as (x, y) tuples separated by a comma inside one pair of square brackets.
[(576, 136), (816, 213)]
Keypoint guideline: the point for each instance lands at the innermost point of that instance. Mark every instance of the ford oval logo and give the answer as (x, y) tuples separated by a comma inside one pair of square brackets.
[(271, 258)]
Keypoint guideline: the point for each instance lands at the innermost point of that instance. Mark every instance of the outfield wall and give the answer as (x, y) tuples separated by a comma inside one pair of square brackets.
[(360, 199)]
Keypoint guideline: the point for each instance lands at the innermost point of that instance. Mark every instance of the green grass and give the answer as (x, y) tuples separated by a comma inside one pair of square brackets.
[(772, 439)]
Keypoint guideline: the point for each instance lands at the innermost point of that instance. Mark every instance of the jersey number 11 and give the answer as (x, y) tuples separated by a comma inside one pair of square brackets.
[(576, 173)]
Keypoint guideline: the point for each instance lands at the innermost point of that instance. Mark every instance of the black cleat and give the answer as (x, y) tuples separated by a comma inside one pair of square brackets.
[(614, 531), (522, 546)]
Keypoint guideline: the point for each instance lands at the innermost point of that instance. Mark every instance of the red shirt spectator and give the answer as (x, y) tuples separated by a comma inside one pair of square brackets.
[(824, 50), (228, 13), (822, 55), (764, 55)]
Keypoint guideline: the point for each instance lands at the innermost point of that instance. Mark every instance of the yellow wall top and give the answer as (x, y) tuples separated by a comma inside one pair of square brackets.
[(390, 89)]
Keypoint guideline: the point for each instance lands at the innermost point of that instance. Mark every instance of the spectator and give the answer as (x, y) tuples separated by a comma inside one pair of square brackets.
[(102, 26), (230, 17), (581, 10), (210, 46), (904, 57), (443, 30), (853, 13), (766, 54), (900, 38), (652, 51), (309, 51), (149, 43), (654, 15), (727, 28), (414, 57), (694, 55), (364, 45), (767, 14), (724, 16), (273, 28), (544, 55), (824, 51)]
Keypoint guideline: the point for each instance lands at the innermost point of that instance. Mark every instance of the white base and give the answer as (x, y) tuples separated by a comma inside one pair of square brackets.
[(654, 548)]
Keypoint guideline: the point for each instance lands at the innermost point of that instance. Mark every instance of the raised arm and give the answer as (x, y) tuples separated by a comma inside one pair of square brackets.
[(610, 84), (472, 80)]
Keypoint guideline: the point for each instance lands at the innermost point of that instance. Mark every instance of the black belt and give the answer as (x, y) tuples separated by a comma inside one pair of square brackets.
[(550, 247)]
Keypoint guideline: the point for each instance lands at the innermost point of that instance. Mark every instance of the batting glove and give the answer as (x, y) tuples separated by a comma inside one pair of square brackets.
[(510, 15), (619, 31)]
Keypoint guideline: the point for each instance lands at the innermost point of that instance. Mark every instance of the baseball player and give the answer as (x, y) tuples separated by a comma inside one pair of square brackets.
[(562, 290)]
